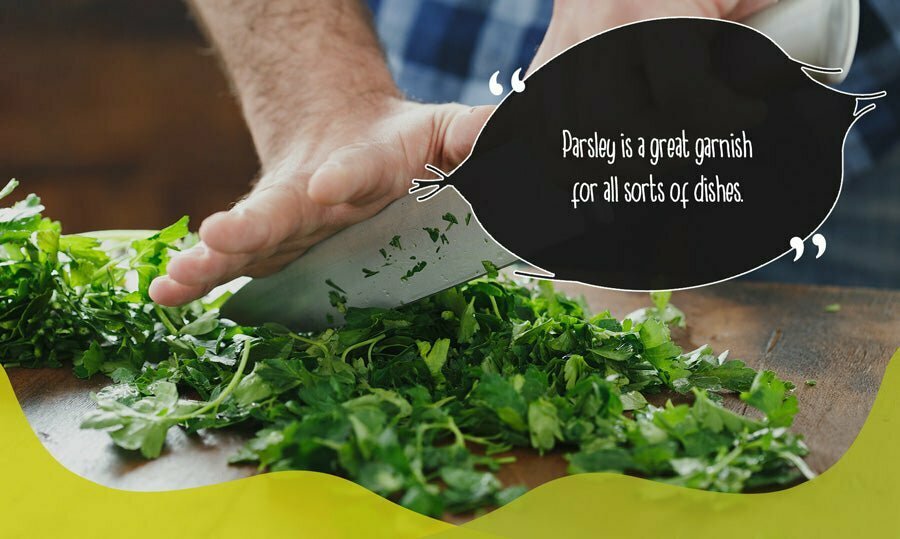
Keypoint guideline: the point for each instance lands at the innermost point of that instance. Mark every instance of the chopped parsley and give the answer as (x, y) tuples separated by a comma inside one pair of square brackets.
[(433, 233), (451, 220), (414, 270), (418, 403)]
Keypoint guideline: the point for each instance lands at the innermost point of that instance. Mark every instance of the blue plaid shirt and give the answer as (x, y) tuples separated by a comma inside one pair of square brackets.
[(446, 50)]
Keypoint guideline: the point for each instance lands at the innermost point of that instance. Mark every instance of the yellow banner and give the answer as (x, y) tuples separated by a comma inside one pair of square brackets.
[(858, 497)]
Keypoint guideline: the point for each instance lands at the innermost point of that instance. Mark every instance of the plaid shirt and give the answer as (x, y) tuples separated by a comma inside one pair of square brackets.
[(446, 50)]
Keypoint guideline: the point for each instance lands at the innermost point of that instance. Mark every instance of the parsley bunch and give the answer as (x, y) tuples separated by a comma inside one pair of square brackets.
[(420, 404)]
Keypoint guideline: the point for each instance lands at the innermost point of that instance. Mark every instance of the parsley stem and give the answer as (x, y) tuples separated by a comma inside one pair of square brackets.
[(494, 304), (449, 424), (724, 461), (310, 342), (105, 267), (457, 434), (165, 320), (799, 463), (229, 389), (349, 349)]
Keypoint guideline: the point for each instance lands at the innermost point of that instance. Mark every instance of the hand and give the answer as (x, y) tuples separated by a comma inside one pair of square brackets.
[(362, 161), (363, 157)]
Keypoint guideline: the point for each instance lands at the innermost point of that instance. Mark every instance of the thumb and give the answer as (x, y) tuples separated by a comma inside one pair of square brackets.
[(365, 172), (460, 134)]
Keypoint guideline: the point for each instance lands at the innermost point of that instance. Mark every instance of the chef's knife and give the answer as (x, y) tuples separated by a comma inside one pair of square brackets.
[(407, 251)]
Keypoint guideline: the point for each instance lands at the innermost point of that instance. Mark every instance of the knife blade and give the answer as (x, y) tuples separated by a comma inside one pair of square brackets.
[(428, 255)]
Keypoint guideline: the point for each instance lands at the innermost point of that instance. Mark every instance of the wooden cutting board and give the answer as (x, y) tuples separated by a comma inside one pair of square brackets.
[(780, 327)]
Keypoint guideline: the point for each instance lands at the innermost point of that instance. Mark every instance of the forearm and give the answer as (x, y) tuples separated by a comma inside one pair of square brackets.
[(297, 66)]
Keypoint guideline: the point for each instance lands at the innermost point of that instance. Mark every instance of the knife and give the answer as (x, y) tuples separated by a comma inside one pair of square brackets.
[(407, 251)]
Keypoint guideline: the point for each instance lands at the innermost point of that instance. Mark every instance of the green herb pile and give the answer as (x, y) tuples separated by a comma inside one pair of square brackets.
[(420, 404)]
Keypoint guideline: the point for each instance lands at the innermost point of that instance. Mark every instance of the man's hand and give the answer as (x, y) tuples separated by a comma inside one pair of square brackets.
[(336, 140), (300, 202)]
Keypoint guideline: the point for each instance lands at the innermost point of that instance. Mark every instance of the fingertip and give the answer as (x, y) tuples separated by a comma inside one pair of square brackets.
[(169, 293), (474, 121), (235, 231), (157, 290), (183, 266), (464, 129), (215, 227)]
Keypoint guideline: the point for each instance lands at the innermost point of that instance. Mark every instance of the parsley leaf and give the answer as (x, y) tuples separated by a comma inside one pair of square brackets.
[(414, 403)]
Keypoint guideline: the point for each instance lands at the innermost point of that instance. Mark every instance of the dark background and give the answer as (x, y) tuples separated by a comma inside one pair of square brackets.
[(116, 113)]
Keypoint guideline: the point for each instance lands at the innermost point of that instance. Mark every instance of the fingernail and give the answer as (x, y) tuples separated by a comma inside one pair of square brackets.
[(156, 286), (197, 251)]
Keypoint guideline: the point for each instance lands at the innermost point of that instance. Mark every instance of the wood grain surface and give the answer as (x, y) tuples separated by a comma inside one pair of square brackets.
[(117, 114), (779, 327)]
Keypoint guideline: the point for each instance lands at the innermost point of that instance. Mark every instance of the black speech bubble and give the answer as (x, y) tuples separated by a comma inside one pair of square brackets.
[(652, 79)]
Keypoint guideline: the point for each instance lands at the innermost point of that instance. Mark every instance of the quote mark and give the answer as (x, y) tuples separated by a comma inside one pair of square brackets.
[(818, 240), (518, 85)]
